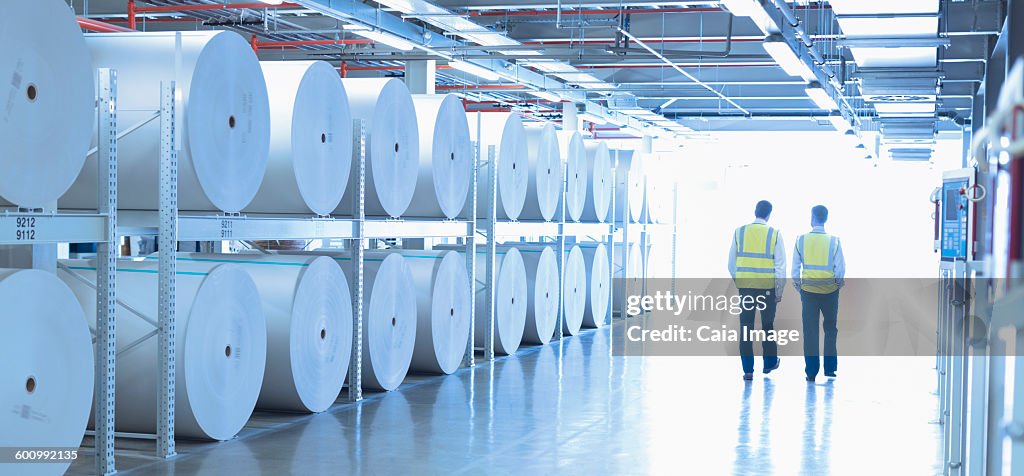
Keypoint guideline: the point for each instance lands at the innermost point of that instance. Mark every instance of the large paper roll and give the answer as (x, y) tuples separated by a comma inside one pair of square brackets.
[(628, 276), (308, 308), (310, 139), (220, 337), (542, 292), (510, 295), (389, 320), (442, 308), (46, 380), (446, 157), (544, 189), (630, 186), (574, 291), (47, 115), (223, 119), (392, 144), (599, 194), (505, 132), (599, 284), (577, 176)]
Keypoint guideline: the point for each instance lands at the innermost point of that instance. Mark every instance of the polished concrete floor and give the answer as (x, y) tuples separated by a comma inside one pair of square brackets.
[(572, 408)]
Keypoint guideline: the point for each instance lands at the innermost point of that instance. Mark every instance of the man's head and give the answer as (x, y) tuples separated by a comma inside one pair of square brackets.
[(819, 215), (763, 210)]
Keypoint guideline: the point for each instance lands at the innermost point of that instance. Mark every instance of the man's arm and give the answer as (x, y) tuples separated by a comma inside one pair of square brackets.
[(732, 257), (797, 265), (840, 268), (780, 267)]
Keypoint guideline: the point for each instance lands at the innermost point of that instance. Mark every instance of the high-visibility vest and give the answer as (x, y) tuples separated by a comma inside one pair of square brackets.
[(755, 256), (818, 254)]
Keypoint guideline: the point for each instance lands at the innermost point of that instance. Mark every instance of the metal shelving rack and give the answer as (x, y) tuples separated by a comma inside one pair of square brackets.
[(47, 228), (172, 228)]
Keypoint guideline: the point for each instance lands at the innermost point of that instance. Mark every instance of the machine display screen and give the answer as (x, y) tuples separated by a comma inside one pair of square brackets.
[(951, 204), (954, 220)]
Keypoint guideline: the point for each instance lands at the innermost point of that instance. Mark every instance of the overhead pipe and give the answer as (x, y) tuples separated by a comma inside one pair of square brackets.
[(101, 27), (134, 10), (558, 11)]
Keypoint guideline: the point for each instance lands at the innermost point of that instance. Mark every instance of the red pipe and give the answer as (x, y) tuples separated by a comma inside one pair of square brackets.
[(638, 11), (230, 6), (652, 40), (98, 26), (388, 68), (294, 44), (482, 86), (131, 14), (343, 69), (254, 43)]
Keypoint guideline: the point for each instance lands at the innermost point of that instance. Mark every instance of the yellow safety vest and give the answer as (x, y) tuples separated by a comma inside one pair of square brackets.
[(818, 254), (755, 256)]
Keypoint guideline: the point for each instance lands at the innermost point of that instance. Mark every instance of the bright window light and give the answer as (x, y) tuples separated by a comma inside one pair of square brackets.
[(839, 122), (821, 97), (897, 108), (475, 70), (385, 38), (787, 59), (742, 8)]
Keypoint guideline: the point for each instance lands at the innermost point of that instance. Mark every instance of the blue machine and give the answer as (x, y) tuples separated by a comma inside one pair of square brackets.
[(955, 220)]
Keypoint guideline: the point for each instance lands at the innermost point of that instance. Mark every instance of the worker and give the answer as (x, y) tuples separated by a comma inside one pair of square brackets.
[(757, 263), (818, 272)]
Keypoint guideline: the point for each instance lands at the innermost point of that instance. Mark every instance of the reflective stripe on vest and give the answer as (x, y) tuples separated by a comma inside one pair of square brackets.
[(755, 256), (818, 254)]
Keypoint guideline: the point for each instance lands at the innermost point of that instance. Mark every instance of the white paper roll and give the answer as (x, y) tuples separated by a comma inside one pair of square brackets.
[(442, 309), (544, 189), (389, 322), (392, 144), (446, 157), (506, 133), (631, 276), (574, 291), (577, 176), (308, 308), (47, 115), (596, 259), (630, 187), (221, 342), (46, 380), (510, 294), (310, 139), (599, 193), (542, 276), (223, 119)]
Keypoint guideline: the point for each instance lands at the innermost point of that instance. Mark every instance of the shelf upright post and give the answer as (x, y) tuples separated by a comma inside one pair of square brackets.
[(492, 249), (168, 241), (469, 358), (626, 218), (675, 232), (106, 273), (355, 366), (560, 248), (610, 239)]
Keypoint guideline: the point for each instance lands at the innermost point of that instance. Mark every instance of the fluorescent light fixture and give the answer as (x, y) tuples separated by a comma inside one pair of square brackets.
[(742, 8), (385, 38), (779, 50), (475, 70), (908, 108), (272, 2), (820, 97), (546, 95)]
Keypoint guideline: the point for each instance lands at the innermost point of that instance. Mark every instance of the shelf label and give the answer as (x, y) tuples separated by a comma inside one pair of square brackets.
[(25, 229), (225, 228)]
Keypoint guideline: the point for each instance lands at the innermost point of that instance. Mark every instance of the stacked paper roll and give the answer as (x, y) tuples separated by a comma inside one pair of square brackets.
[(442, 290), (599, 194), (389, 322), (48, 113), (392, 144), (541, 265), (310, 139), (47, 371), (630, 186), (544, 189), (629, 275), (596, 259), (223, 119), (220, 337), (577, 176), (574, 291), (308, 308), (446, 157), (510, 301), (505, 132)]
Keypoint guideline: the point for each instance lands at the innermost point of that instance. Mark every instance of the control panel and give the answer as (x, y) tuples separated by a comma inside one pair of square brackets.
[(955, 220)]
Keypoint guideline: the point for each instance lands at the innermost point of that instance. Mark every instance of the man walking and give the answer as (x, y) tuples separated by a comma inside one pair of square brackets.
[(818, 272), (757, 263)]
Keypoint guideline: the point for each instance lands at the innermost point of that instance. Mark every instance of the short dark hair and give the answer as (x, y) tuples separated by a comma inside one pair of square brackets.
[(819, 213), (763, 209)]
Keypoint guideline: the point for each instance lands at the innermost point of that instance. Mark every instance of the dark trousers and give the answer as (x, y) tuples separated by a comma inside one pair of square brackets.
[(747, 316), (816, 306)]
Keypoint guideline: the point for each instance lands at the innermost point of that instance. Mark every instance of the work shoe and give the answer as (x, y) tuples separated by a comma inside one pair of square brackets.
[(830, 374), (768, 370), (748, 376), (810, 379)]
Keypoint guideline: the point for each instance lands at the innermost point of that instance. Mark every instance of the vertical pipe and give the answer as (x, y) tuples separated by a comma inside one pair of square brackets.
[(131, 14)]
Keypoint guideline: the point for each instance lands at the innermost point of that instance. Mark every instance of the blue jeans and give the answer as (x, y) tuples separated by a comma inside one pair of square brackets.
[(816, 306), (747, 316)]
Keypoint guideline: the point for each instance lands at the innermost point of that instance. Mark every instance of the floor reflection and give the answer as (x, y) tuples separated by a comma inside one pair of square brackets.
[(571, 407)]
